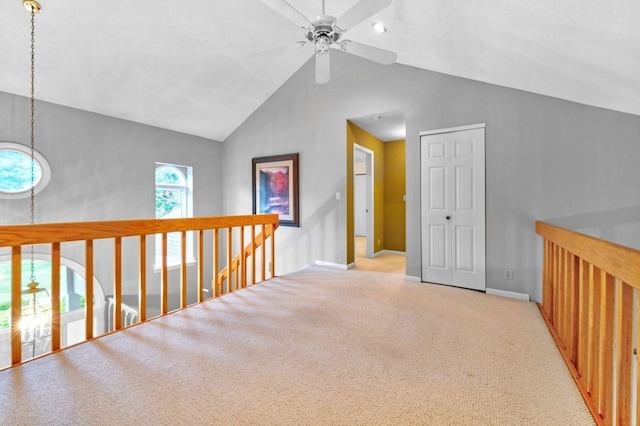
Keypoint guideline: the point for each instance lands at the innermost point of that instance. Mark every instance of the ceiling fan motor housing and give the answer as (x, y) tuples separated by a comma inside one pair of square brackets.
[(323, 31)]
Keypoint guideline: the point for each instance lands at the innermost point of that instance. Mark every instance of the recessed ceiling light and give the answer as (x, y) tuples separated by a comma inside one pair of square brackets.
[(379, 27)]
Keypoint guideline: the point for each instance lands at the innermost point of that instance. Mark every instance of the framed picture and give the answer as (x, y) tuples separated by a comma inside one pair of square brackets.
[(275, 187)]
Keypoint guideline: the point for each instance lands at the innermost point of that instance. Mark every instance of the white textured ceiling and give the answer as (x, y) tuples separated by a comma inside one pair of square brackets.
[(202, 67), (386, 126)]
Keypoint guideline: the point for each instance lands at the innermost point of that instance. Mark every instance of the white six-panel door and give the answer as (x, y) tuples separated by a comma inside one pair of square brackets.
[(453, 208)]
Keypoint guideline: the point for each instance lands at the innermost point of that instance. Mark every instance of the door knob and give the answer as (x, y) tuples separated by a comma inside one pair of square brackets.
[(448, 217)]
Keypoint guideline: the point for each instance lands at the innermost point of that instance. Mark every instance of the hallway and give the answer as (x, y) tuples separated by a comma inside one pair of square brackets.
[(387, 262)]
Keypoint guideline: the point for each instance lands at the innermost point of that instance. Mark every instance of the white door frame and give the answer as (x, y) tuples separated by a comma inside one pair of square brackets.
[(450, 130), (454, 129), (369, 227)]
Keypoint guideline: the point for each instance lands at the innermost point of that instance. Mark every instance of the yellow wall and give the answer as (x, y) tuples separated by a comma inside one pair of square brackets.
[(359, 136), (394, 189)]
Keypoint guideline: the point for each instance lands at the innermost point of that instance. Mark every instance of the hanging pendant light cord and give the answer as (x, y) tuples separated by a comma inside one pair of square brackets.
[(33, 135)]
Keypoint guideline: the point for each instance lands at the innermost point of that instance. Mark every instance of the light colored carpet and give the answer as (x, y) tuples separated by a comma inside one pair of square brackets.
[(319, 346)]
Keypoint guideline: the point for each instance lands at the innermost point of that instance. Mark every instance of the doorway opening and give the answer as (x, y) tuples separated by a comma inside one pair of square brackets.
[(363, 198), (376, 182)]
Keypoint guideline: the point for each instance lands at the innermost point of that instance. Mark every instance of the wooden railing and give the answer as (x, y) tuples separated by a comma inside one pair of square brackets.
[(239, 263), (20, 238), (591, 305)]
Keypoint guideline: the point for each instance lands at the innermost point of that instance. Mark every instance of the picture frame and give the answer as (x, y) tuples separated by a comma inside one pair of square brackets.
[(275, 187)]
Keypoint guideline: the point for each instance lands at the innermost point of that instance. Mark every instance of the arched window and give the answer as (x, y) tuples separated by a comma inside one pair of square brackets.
[(72, 303), (15, 171), (171, 192), (173, 201)]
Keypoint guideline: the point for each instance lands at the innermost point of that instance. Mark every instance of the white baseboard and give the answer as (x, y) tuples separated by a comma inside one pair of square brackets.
[(378, 253), (412, 279), (510, 294), (334, 265)]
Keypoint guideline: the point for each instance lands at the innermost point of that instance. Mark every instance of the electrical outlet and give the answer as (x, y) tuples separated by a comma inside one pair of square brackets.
[(378, 241), (508, 274), (337, 195), (269, 266)]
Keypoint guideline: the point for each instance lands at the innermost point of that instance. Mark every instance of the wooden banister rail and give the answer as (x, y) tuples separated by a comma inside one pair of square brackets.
[(589, 295), (53, 237)]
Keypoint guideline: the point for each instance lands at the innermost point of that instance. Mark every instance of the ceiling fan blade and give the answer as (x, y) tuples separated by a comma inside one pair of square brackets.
[(323, 69), (359, 12), (375, 54), (284, 8)]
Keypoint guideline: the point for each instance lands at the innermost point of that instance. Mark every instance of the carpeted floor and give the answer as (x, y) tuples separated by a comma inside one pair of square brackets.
[(319, 346), (390, 263)]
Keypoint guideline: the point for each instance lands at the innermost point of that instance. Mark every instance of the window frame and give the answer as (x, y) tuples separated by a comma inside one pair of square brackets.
[(185, 172), (45, 168)]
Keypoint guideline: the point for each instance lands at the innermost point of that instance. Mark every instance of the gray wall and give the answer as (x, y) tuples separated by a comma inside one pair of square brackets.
[(546, 159), (103, 169)]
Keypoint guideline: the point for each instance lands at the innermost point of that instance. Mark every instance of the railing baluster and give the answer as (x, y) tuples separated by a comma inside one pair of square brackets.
[(236, 265), (142, 280), (55, 297), (183, 269), (554, 284), (200, 277), (637, 358), (164, 278), (624, 350), (575, 307), (216, 263), (243, 258), (583, 319), (546, 284), (253, 254), (568, 303), (117, 284), (562, 295), (595, 284), (229, 258), (263, 253), (606, 333), (16, 305), (556, 287), (273, 251), (88, 298)]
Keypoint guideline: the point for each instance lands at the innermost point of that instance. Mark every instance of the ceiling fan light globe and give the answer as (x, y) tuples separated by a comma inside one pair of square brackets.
[(322, 44)]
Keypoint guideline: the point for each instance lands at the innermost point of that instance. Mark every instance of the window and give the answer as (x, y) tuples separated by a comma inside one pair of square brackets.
[(173, 201), (15, 171)]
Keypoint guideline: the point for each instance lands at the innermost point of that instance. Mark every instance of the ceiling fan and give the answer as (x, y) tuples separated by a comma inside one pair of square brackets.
[(326, 32)]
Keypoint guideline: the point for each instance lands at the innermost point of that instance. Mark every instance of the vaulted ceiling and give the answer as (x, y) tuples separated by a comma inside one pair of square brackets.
[(202, 67)]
